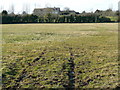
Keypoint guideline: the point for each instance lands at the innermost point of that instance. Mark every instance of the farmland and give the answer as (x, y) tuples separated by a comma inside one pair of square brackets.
[(60, 55)]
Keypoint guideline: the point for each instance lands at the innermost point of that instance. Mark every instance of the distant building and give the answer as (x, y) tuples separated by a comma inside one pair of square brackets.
[(69, 12), (44, 11)]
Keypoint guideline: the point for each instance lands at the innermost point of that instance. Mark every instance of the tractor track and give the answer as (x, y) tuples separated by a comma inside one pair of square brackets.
[(71, 73)]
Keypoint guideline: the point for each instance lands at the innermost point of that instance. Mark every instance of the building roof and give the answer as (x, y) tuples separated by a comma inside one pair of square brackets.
[(45, 8)]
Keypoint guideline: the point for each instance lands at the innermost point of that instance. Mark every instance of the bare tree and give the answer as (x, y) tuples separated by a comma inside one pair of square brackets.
[(1, 9), (66, 9), (37, 5), (91, 10), (26, 8), (47, 5), (12, 9), (83, 12), (111, 6)]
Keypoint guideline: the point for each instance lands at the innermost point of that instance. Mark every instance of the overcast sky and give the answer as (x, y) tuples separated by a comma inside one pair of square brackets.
[(77, 5)]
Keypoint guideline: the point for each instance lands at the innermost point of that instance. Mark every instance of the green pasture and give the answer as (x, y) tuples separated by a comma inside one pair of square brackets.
[(39, 55)]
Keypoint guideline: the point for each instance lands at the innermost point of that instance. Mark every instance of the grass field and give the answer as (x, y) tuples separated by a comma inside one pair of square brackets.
[(60, 55)]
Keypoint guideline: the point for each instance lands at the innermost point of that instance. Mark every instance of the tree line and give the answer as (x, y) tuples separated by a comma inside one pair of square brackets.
[(95, 17)]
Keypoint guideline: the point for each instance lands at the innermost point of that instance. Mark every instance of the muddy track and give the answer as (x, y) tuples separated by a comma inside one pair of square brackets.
[(71, 73)]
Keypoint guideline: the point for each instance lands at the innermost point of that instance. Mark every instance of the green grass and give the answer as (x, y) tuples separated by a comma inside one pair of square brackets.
[(38, 55)]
